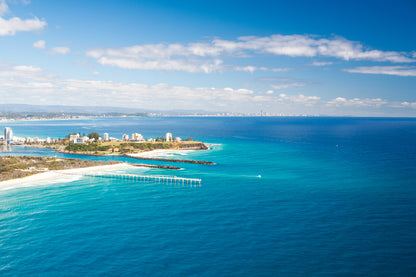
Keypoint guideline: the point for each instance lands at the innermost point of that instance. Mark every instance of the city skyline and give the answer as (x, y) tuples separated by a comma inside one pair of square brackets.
[(322, 58)]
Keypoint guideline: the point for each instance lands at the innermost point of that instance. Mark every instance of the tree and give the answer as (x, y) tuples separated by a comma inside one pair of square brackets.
[(93, 135)]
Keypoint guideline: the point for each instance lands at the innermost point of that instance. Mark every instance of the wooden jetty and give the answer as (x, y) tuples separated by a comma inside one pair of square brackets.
[(148, 178)]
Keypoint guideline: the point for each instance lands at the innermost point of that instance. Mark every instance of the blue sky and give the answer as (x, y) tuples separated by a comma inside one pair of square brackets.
[(282, 57)]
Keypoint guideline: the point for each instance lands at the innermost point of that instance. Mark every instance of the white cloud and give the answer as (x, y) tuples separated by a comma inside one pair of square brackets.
[(169, 65), (248, 68), (300, 99), (387, 70), (24, 83), (3, 7), (315, 63), (407, 104), (356, 102), (251, 69), (288, 85), (279, 69), (311, 46), (96, 73), (95, 53), (29, 81), (24, 73), (27, 68), (204, 56), (60, 50), (40, 44), (11, 26)]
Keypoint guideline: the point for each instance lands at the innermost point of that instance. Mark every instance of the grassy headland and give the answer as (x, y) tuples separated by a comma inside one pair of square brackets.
[(117, 148), (12, 167)]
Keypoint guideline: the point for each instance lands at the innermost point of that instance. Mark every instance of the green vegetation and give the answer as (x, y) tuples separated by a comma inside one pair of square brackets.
[(12, 167), (160, 139), (93, 135), (81, 147), (108, 148)]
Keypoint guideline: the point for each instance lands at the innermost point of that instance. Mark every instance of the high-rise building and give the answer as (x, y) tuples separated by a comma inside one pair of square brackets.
[(168, 136), (8, 134), (106, 136), (137, 137), (125, 137)]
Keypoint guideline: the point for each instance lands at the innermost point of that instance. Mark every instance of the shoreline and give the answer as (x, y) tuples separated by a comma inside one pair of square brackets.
[(53, 174), (46, 176), (144, 154)]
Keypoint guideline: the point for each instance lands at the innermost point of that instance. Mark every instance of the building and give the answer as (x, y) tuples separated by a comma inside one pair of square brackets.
[(137, 137), (8, 134), (106, 137), (73, 138), (125, 137), (48, 140), (82, 140), (178, 139), (168, 137)]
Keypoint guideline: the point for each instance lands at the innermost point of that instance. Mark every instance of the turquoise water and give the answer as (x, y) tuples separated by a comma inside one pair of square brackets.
[(336, 197)]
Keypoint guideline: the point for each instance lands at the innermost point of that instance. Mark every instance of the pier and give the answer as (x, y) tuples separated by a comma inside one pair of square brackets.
[(148, 178)]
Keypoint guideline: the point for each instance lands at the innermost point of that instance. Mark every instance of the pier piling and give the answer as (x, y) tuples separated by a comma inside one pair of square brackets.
[(144, 178)]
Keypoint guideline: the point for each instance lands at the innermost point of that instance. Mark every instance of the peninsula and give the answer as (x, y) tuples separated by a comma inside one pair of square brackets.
[(95, 145), (13, 167), (121, 148)]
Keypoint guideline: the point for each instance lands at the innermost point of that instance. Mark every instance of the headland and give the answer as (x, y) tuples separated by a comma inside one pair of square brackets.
[(12, 177), (13, 167)]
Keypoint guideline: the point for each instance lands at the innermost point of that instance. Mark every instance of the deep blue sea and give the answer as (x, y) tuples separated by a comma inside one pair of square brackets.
[(336, 197)]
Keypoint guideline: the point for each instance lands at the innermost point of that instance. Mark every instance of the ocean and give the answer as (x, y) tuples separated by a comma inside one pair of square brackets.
[(288, 196)]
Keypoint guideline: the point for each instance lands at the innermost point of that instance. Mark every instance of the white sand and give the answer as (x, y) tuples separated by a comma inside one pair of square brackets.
[(159, 152), (49, 175)]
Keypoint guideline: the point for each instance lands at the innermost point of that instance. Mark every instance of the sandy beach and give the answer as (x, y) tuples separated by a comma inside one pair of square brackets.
[(50, 175)]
